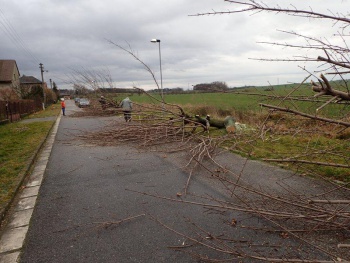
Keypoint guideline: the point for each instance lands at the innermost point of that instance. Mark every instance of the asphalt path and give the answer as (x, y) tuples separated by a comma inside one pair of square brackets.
[(86, 212)]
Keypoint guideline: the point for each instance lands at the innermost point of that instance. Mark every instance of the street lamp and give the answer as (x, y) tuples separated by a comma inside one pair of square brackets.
[(154, 40)]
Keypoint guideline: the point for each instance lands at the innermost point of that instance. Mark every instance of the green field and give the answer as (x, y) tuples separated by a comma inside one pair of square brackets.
[(248, 100), (223, 100)]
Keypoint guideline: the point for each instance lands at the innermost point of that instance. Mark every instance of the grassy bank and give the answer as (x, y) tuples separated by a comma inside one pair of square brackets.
[(18, 143), (312, 152)]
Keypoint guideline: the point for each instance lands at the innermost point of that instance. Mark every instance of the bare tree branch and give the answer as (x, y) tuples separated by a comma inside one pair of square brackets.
[(346, 124), (328, 90)]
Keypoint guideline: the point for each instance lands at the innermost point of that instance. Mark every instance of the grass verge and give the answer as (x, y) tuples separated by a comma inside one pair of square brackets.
[(52, 110), (18, 144), (312, 154)]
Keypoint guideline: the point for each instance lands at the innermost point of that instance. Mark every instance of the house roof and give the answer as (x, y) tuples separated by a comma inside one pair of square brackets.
[(29, 80), (6, 69)]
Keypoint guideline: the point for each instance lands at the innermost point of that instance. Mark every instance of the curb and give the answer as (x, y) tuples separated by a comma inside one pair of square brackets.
[(24, 174)]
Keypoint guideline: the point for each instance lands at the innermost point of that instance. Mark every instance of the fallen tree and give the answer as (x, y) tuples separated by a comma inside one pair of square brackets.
[(291, 213)]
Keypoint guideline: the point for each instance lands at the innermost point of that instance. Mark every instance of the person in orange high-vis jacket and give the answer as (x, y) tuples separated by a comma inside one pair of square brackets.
[(63, 106)]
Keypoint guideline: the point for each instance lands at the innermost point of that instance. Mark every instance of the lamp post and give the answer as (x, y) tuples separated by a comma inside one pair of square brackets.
[(160, 66)]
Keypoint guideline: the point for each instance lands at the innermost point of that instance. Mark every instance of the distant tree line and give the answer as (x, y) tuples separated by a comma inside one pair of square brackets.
[(214, 86), (82, 90), (118, 90), (167, 90)]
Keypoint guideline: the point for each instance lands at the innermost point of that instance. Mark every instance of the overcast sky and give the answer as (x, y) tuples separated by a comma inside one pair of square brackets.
[(68, 35)]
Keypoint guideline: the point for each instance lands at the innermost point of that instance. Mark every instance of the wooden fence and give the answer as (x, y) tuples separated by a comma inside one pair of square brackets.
[(11, 111)]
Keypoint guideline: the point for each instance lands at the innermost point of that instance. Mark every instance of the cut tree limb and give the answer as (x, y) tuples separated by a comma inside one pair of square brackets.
[(328, 90), (307, 162), (343, 123), (213, 122), (343, 245)]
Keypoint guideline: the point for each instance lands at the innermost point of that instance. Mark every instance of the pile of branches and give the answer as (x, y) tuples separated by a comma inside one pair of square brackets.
[(152, 125)]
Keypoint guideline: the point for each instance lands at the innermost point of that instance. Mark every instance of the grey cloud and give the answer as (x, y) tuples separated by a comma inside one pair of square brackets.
[(66, 34)]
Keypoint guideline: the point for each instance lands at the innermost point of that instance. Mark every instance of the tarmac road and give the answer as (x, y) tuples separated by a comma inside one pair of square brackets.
[(85, 193)]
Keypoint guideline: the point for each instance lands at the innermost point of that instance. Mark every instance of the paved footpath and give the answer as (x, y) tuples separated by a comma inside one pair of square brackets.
[(13, 236), (84, 210)]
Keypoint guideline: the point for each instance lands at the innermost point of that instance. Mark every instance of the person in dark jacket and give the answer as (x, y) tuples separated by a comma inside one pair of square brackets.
[(103, 102), (126, 104)]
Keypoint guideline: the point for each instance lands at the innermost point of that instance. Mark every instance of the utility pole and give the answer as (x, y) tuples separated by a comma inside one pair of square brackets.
[(42, 84), (51, 83)]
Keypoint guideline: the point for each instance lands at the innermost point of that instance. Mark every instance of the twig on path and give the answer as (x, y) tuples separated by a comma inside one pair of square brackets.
[(343, 245), (305, 161), (73, 170), (108, 224), (330, 201), (179, 247)]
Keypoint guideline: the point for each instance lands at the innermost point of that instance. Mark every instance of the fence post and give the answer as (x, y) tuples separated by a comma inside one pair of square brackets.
[(7, 110)]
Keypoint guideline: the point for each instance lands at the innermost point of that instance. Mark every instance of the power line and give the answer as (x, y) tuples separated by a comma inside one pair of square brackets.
[(17, 40), (15, 37)]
